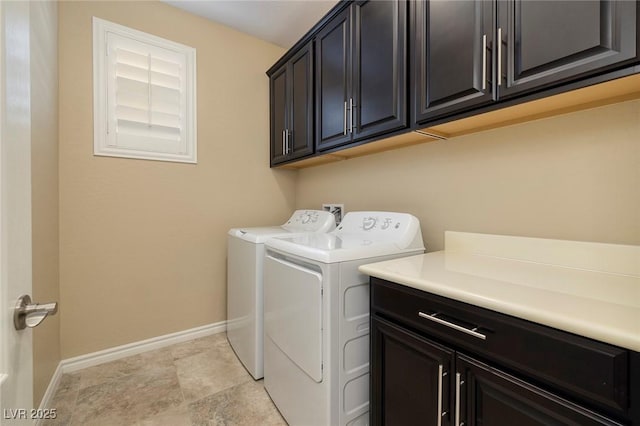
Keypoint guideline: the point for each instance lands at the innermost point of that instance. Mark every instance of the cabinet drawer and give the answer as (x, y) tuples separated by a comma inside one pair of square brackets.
[(593, 372)]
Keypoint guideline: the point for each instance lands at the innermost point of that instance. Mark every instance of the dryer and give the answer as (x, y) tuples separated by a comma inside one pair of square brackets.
[(245, 255), (316, 359)]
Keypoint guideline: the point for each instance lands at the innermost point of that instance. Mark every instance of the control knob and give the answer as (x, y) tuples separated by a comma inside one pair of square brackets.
[(308, 217), (368, 223)]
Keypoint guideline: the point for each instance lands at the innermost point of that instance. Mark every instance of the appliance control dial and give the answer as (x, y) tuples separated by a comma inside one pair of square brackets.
[(309, 217), (368, 223)]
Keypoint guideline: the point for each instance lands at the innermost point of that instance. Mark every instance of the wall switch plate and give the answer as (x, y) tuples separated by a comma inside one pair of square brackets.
[(336, 209)]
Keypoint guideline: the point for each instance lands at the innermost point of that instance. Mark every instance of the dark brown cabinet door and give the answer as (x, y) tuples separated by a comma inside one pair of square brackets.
[(489, 397), (361, 77), (452, 56), (552, 42), (379, 67), (291, 109), (299, 140), (333, 53), (278, 112), (409, 377)]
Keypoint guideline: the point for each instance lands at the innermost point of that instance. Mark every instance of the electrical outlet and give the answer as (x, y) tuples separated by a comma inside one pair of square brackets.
[(336, 209)]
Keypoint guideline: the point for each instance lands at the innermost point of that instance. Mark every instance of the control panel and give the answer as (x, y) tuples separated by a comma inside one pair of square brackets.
[(311, 221), (379, 222), (383, 223)]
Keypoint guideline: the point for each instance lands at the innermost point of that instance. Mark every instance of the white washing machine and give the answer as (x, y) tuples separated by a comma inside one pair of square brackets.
[(245, 255), (316, 345)]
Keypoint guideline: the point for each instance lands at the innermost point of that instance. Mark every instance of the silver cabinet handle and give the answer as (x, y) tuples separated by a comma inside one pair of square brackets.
[(284, 150), (286, 141), (433, 317), (484, 62), (457, 413), (351, 107), (499, 56), (440, 374), (344, 132)]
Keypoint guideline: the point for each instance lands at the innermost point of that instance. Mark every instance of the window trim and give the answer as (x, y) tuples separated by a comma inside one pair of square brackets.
[(100, 114)]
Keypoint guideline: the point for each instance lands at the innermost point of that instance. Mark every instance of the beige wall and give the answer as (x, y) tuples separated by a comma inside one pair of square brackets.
[(44, 187), (573, 177), (143, 243)]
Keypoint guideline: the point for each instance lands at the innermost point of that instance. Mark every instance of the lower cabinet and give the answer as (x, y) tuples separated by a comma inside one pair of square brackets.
[(407, 368), (419, 377), (491, 397)]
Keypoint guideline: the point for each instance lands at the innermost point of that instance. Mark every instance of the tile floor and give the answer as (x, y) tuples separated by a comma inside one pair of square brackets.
[(200, 382)]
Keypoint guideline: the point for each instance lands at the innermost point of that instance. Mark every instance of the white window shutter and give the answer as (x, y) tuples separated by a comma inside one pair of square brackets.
[(149, 104)]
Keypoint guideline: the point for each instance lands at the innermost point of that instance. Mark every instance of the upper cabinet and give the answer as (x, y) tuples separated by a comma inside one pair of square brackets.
[(452, 66), (550, 42), (291, 109), (430, 69), (333, 68), (361, 57), (456, 57)]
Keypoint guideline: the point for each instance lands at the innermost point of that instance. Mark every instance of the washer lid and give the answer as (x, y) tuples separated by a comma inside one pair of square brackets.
[(301, 221), (361, 235), (259, 235)]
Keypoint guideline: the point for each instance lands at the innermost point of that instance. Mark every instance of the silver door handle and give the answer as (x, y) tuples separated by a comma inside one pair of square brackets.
[(484, 62), (499, 56), (433, 317), (30, 315), (284, 150), (351, 107), (440, 377), (344, 132), (286, 141), (459, 382)]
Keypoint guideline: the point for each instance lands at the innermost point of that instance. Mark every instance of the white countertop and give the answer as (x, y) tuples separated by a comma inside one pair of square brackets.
[(589, 289)]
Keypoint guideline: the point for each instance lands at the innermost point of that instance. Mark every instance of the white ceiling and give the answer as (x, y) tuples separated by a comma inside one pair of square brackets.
[(282, 22)]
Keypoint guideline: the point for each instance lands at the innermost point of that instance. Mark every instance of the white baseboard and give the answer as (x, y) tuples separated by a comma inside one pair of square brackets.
[(96, 358), (47, 398)]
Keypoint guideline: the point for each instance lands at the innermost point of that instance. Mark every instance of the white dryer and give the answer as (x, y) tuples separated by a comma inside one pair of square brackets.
[(245, 255), (316, 359)]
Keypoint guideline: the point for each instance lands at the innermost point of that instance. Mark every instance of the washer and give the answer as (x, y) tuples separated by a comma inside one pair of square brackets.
[(316, 347), (245, 255)]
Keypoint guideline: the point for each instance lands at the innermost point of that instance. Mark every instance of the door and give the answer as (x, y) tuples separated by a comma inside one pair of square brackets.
[(379, 67), (490, 397), (16, 358), (291, 109), (300, 137), (452, 49), (333, 69), (409, 377), (293, 313), (551, 42), (278, 111)]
